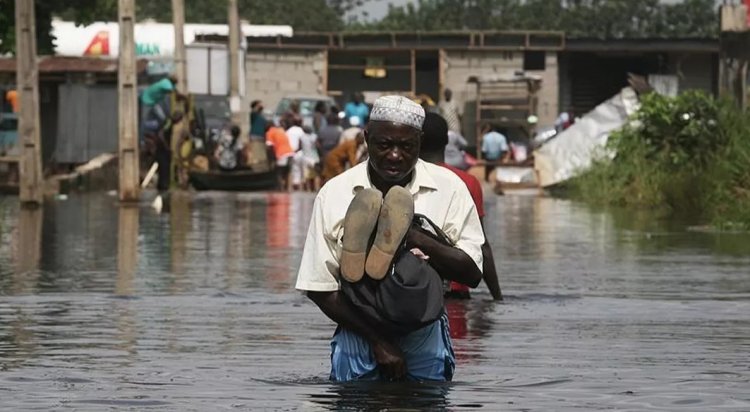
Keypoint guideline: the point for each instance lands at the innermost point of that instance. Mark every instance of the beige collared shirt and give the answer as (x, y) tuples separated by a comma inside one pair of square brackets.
[(438, 194)]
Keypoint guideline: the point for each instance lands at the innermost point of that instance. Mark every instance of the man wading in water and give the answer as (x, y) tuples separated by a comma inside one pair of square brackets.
[(336, 249)]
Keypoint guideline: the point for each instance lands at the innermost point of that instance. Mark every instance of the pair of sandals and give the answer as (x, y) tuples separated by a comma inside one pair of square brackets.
[(389, 218)]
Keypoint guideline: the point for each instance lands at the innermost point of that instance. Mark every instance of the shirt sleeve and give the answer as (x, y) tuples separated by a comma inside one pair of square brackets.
[(319, 267), (462, 225), (166, 85)]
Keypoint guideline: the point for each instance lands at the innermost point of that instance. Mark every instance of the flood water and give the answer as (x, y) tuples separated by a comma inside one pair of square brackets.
[(104, 307)]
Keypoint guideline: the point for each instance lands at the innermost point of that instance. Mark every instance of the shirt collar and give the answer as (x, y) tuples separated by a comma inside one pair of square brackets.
[(421, 179)]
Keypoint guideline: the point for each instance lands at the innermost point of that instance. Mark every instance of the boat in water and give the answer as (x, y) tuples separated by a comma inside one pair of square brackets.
[(235, 180)]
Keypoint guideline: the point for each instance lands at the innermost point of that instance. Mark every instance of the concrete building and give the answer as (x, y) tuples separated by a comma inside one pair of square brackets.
[(78, 106), (593, 70), (577, 74)]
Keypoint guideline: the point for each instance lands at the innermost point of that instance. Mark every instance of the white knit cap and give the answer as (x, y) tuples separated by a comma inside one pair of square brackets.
[(398, 109)]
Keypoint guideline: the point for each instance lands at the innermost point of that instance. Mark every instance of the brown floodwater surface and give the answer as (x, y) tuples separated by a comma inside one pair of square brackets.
[(103, 307)]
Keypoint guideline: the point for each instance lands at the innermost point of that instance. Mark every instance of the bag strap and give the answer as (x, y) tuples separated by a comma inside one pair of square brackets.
[(439, 234)]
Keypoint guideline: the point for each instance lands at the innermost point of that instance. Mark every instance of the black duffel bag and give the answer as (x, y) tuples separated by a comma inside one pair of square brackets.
[(409, 297)]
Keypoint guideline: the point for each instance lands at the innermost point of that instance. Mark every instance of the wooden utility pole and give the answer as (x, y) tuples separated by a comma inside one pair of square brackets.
[(27, 79), (235, 101), (178, 20), (128, 104)]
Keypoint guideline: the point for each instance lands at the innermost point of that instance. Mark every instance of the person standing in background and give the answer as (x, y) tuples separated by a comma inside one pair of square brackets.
[(320, 116), (494, 148), (257, 120), (311, 160), (282, 150), (329, 135), (449, 111), (434, 138), (180, 148), (358, 109), (292, 116), (295, 132), (154, 95), (454, 151), (11, 96), (337, 159)]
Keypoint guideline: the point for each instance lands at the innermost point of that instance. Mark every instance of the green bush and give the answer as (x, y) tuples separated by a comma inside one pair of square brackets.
[(726, 180), (689, 154)]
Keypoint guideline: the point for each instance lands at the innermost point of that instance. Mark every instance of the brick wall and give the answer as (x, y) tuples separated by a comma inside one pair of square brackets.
[(275, 73), (549, 95)]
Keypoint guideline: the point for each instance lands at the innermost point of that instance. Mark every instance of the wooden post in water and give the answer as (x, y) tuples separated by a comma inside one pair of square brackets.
[(29, 246), (257, 158), (235, 101), (128, 104), (127, 249), (178, 20), (27, 79)]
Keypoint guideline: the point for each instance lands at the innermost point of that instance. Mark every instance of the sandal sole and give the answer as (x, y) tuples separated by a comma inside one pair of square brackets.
[(393, 222), (359, 223)]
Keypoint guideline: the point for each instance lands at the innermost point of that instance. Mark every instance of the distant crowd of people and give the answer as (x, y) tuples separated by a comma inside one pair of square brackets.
[(308, 155), (307, 150)]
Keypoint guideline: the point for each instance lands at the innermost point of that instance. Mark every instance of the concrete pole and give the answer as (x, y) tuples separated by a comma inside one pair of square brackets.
[(127, 82), (235, 100), (27, 79), (178, 20), (127, 249), (30, 222)]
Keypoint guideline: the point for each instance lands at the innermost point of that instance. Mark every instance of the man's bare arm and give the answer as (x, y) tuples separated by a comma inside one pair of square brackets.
[(450, 262), (338, 309), (489, 273)]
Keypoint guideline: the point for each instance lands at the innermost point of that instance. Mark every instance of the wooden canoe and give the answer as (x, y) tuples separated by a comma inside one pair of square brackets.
[(238, 180)]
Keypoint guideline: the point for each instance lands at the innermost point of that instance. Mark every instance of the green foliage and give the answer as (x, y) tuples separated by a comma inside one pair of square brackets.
[(80, 11), (7, 26), (689, 154), (578, 18), (308, 15), (727, 177), (683, 130)]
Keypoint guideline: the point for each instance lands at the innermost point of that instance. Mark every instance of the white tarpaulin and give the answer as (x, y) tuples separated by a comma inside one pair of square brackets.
[(515, 175), (574, 149)]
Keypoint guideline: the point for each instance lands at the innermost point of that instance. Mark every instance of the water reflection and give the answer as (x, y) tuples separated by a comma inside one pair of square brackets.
[(194, 308), (383, 397), (127, 249), (28, 249), (469, 321)]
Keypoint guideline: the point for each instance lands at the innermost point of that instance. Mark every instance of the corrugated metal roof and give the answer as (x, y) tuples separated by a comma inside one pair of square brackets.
[(62, 64)]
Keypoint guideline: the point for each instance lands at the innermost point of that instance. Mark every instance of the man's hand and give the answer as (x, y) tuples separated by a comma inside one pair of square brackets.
[(389, 357), (390, 360), (450, 262)]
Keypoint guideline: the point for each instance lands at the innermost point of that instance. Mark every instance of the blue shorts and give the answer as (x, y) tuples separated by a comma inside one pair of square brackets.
[(428, 353)]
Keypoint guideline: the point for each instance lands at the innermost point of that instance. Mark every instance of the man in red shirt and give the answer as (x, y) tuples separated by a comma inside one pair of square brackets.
[(434, 139)]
